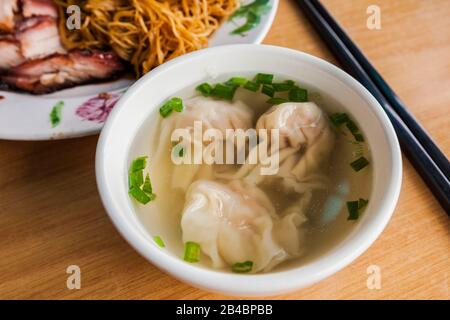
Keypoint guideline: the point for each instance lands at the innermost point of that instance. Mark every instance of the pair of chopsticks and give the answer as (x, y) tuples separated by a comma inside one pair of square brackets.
[(428, 160)]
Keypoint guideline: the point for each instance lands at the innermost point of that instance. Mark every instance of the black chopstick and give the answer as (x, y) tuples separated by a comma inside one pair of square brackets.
[(413, 149), (419, 132)]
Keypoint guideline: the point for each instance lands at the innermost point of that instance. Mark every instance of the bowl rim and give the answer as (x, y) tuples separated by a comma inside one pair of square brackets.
[(269, 283)]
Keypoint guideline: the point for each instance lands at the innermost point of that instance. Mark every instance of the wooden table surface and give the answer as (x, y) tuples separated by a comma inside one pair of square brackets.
[(51, 215)]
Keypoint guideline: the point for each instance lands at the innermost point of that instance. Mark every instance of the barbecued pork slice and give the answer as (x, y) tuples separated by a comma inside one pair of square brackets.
[(31, 8), (63, 70), (10, 54), (39, 37), (7, 9)]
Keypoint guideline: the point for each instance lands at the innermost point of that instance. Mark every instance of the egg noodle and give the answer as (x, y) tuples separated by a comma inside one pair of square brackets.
[(145, 32)]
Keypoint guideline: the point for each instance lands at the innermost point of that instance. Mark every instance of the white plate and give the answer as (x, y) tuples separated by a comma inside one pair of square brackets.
[(27, 117)]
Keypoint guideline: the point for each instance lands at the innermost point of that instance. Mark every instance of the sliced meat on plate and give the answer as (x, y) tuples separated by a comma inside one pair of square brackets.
[(32, 8), (60, 71), (7, 10), (39, 37), (10, 54)]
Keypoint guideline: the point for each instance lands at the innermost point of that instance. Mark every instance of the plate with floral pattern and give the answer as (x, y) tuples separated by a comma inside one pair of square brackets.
[(82, 110)]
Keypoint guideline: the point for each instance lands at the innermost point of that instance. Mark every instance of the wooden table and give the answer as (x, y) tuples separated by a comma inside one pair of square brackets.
[(51, 215)]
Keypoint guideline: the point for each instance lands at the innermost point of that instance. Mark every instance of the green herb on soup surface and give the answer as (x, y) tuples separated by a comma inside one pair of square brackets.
[(354, 208), (138, 187), (191, 252), (242, 267), (159, 241), (263, 82), (252, 13), (359, 164), (339, 119), (173, 104), (55, 114)]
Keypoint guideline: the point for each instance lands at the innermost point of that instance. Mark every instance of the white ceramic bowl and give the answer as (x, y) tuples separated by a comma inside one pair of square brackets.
[(141, 102)]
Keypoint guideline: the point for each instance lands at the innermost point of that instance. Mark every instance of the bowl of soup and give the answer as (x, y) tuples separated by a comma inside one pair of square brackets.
[(249, 170)]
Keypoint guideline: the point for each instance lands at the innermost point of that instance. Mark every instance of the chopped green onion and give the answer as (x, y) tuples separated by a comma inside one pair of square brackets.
[(351, 125), (138, 164), (253, 19), (205, 89), (147, 187), (264, 78), (276, 101), (358, 137), (284, 86), (55, 114), (242, 267), (339, 118), (290, 82), (165, 110), (135, 179), (237, 81), (252, 86), (352, 208), (268, 90), (139, 195), (174, 104), (191, 252), (297, 94), (362, 203), (359, 163), (224, 91), (159, 241), (178, 150), (177, 104)]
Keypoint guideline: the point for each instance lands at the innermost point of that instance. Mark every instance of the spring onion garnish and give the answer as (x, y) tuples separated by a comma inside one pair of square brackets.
[(264, 78), (191, 252), (159, 241), (147, 187), (224, 91), (139, 195), (359, 163), (362, 203), (138, 164), (242, 267), (352, 208), (55, 114), (252, 86), (297, 94), (205, 89), (358, 137), (283, 86), (136, 179), (237, 81), (174, 104), (268, 90), (140, 189), (353, 128), (276, 101), (339, 118), (252, 12)]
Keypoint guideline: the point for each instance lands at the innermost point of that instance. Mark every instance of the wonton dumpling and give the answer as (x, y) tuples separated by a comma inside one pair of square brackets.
[(299, 123), (237, 222), (217, 114), (306, 141)]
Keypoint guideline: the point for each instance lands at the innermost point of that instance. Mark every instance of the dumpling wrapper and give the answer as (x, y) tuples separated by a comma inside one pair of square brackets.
[(217, 114), (306, 142), (237, 223)]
